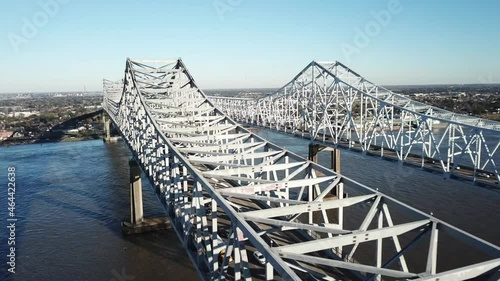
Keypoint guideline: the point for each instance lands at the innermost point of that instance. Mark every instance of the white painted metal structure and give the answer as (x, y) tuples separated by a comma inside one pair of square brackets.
[(331, 104), (204, 167)]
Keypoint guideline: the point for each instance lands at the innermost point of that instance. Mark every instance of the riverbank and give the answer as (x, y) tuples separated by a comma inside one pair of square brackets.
[(12, 142)]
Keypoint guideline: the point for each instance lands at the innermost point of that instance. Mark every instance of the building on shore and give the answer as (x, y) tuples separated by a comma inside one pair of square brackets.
[(5, 135)]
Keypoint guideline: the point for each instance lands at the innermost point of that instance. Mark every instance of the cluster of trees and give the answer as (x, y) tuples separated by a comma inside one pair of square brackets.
[(52, 111)]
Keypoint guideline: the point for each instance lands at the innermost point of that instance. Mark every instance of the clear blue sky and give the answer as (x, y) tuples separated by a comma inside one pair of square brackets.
[(255, 43)]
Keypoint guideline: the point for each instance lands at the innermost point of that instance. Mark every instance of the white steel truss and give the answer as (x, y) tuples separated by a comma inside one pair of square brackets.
[(331, 104), (211, 173)]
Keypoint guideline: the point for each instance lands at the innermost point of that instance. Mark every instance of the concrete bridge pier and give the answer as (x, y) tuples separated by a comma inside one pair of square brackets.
[(335, 160), (139, 224), (314, 149), (136, 208), (313, 152), (337, 191), (107, 130)]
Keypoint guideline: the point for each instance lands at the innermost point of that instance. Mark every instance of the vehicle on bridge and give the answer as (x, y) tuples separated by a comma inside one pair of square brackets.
[(259, 257)]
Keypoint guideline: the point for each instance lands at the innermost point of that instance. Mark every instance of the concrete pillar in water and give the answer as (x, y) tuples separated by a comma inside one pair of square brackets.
[(313, 152), (139, 224), (336, 160), (107, 129), (136, 208)]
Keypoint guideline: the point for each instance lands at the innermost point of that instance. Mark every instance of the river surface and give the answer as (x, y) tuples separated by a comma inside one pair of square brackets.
[(71, 198)]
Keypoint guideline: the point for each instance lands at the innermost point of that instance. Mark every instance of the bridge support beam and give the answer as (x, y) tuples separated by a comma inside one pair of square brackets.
[(138, 224)]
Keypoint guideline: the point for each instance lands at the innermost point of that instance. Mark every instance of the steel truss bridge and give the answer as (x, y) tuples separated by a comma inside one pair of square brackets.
[(211, 173), (333, 105)]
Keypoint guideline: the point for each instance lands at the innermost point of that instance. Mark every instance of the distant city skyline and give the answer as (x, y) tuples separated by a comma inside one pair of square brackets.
[(256, 89), (66, 45)]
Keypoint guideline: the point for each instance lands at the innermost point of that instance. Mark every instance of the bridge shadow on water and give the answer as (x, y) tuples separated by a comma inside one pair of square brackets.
[(161, 247)]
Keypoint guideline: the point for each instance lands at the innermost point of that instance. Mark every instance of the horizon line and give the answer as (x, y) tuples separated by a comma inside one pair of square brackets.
[(259, 88)]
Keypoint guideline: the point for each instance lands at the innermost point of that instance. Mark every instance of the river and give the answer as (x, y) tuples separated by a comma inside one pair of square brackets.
[(71, 198)]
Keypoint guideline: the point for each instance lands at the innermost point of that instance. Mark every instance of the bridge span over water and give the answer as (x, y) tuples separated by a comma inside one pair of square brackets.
[(335, 106), (228, 192)]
